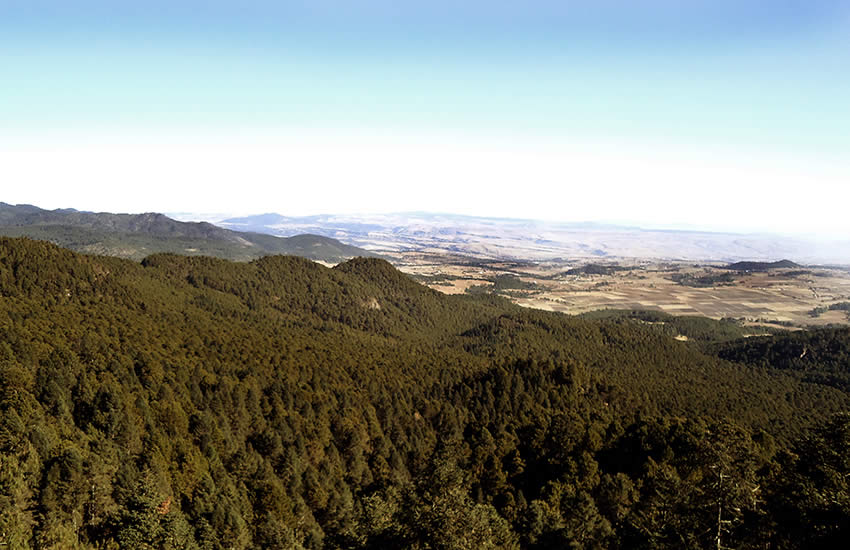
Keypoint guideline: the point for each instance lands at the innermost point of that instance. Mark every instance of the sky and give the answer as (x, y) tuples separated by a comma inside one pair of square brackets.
[(726, 115)]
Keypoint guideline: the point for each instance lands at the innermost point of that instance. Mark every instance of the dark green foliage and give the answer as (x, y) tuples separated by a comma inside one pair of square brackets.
[(197, 403), (503, 284), (810, 497), (695, 328), (762, 266), (596, 269), (818, 356), (511, 282), (703, 281)]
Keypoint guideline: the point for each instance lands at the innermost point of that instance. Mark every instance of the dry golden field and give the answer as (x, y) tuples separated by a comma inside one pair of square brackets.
[(782, 296)]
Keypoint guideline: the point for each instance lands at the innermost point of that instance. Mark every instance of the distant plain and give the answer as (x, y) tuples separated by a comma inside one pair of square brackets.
[(579, 267), (782, 297)]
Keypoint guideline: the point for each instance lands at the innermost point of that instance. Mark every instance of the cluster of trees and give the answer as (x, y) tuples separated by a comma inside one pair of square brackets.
[(703, 281), (596, 269), (504, 284), (838, 306), (197, 403)]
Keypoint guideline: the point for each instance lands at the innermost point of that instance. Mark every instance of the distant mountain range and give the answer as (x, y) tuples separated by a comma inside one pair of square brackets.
[(138, 235), (334, 238), (497, 238)]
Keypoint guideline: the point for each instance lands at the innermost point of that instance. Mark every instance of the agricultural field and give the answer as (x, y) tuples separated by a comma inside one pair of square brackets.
[(789, 297)]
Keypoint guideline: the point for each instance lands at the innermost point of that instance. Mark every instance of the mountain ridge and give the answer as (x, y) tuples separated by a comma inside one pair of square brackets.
[(138, 235)]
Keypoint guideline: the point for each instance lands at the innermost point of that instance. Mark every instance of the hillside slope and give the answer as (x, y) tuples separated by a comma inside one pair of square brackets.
[(191, 402), (135, 236), (821, 356)]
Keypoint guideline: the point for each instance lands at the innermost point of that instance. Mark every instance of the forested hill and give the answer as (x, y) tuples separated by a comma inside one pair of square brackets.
[(138, 235), (191, 402), (762, 266), (821, 356)]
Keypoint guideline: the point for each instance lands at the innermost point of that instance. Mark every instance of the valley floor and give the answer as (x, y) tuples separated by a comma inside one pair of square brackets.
[(785, 297)]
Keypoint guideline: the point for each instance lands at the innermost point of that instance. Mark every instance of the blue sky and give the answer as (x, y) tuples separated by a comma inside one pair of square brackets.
[(635, 82)]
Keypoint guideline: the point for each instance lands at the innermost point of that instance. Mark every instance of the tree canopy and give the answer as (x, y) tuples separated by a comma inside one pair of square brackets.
[(191, 402)]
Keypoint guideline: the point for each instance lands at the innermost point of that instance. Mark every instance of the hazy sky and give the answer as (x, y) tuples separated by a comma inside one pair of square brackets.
[(719, 114)]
